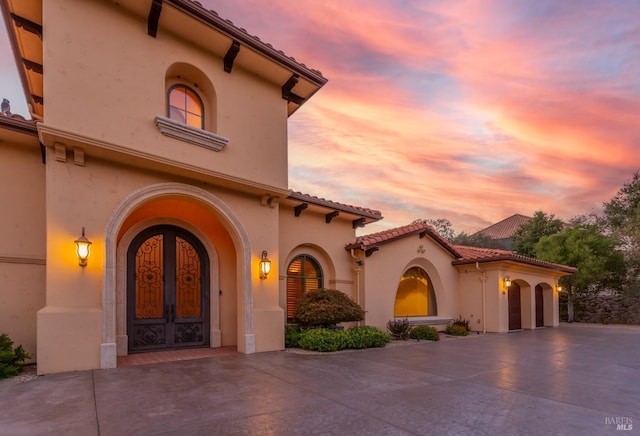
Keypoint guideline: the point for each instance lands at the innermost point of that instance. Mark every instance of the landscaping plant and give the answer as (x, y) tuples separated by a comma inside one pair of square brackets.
[(365, 337), (462, 323), (323, 340), (424, 332), (399, 328), (292, 334), (326, 308), (11, 359), (456, 330)]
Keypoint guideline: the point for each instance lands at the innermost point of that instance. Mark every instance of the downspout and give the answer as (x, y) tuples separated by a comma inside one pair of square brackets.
[(357, 270), (483, 279)]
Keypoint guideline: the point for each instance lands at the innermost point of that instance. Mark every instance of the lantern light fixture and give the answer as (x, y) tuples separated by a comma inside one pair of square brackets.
[(507, 282), (265, 265), (82, 249)]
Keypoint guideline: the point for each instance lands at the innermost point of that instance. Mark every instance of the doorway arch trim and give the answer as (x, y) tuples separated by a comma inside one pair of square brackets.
[(246, 336)]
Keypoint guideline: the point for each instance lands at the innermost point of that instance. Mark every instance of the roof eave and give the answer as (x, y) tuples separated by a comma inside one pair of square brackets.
[(526, 261)]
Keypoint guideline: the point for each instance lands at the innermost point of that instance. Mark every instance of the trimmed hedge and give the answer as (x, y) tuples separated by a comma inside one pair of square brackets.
[(456, 330), (327, 307), (366, 337), (326, 340), (425, 332)]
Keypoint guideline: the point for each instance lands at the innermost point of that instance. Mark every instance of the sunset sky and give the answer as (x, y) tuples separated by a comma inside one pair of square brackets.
[(467, 110)]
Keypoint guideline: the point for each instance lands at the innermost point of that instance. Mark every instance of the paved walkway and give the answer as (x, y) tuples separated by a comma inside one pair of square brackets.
[(569, 380)]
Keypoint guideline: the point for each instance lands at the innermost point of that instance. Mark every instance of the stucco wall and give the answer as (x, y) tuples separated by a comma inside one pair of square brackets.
[(22, 232), (87, 196), (310, 234), (497, 301), (105, 78), (384, 268)]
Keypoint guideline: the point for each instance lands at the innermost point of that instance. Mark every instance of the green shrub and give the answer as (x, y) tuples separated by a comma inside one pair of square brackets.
[(425, 332), (462, 323), (327, 307), (456, 330), (365, 337), (322, 340), (292, 334), (399, 328), (334, 340), (11, 359)]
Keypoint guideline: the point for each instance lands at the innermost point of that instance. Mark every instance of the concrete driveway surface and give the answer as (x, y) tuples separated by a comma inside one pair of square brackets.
[(572, 380)]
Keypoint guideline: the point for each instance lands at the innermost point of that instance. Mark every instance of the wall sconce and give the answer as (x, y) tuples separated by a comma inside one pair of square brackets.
[(82, 249), (265, 265), (507, 282), (558, 288)]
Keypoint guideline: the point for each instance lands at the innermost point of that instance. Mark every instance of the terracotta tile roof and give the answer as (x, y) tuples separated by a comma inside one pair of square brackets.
[(212, 18), (482, 255), (463, 254), (355, 210), (18, 123), (375, 239), (505, 228)]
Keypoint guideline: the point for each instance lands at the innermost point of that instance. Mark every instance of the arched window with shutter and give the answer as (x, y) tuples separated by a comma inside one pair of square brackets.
[(303, 274)]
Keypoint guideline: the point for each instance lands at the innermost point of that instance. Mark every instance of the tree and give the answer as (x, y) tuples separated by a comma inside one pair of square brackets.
[(477, 240), (442, 226), (600, 264), (622, 218), (528, 235)]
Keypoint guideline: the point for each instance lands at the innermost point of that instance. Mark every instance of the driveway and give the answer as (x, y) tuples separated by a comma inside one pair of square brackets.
[(582, 380)]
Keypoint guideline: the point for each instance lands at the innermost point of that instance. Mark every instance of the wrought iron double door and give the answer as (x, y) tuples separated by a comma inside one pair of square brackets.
[(167, 290)]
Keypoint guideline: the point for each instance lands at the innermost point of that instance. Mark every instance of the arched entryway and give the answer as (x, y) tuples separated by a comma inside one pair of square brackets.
[(515, 307), (167, 290), (539, 297), (216, 226)]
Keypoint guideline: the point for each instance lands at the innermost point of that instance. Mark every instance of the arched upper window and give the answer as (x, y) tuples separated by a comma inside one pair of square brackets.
[(185, 105), (303, 274), (415, 296)]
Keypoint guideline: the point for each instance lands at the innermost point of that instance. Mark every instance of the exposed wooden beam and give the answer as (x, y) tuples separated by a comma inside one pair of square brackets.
[(32, 66), (328, 217), (154, 17), (233, 51), (299, 208), (369, 251), (286, 91), (360, 222), (27, 25)]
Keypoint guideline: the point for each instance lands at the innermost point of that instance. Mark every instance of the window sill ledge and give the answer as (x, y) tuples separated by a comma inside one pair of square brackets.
[(183, 132)]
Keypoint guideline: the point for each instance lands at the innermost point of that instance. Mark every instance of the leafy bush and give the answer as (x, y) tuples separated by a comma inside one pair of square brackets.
[(327, 307), (334, 340), (11, 359), (322, 340), (292, 334), (462, 323), (425, 332), (399, 328), (456, 330), (365, 337)]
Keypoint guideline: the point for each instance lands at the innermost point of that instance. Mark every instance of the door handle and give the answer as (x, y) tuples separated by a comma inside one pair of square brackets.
[(166, 313), (173, 313)]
